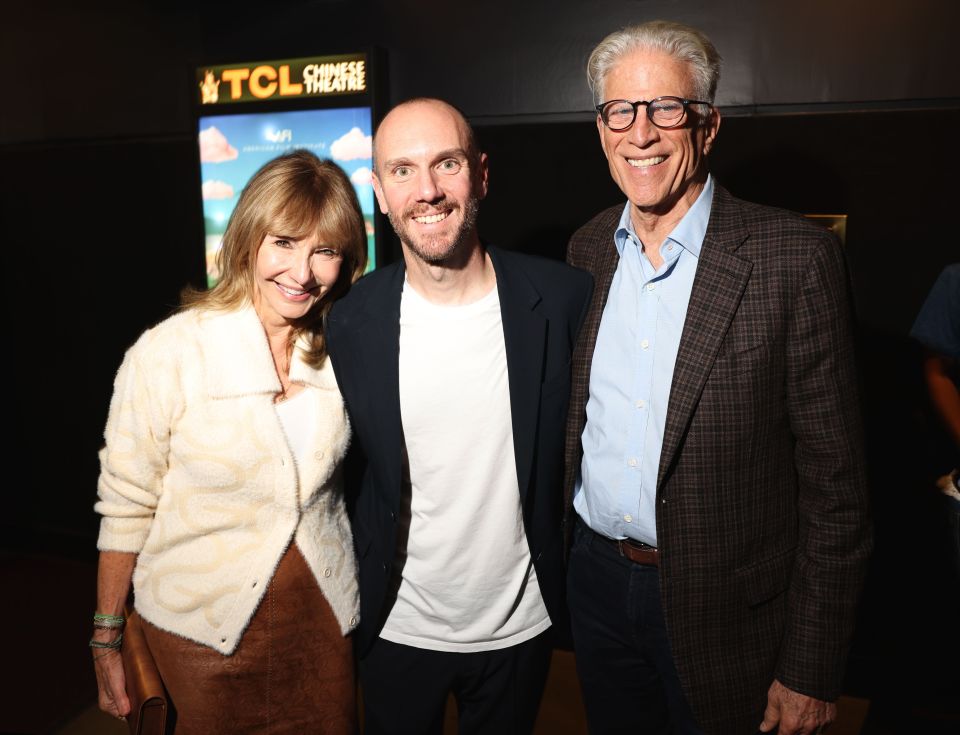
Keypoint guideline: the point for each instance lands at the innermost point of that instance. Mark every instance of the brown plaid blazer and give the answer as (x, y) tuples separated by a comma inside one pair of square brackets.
[(761, 495)]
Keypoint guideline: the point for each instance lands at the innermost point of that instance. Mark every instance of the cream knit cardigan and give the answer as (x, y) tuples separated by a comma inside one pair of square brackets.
[(197, 478)]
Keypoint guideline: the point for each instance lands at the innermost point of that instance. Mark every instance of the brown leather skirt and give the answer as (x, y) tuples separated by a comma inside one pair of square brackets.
[(292, 672)]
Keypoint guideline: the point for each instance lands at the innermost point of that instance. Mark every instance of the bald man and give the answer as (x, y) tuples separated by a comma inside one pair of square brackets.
[(455, 367)]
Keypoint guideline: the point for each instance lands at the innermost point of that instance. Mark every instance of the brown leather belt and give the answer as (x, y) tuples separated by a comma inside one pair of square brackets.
[(635, 551)]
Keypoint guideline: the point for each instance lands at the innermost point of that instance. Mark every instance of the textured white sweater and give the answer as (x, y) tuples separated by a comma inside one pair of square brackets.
[(197, 478)]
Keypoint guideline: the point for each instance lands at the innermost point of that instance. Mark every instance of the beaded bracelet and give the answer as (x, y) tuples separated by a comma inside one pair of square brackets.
[(113, 645), (108, 622)]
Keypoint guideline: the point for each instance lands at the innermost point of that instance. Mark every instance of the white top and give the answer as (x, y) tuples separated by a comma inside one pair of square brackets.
[(299, 422), (466, 582)]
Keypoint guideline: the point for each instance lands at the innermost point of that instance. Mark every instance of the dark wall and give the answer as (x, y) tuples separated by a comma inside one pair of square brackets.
[(110, 68), (102, 244)]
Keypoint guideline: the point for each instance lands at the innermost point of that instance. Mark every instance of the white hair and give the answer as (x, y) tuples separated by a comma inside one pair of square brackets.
[(681, 42)]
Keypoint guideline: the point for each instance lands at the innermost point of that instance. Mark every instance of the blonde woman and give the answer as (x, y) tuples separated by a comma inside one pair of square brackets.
[(220, 487)]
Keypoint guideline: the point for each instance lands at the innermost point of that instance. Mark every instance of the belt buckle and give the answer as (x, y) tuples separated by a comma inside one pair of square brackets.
[(625, 545), (637, 551)]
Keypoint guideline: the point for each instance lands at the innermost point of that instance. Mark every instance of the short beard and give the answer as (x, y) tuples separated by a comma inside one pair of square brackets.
[(443, 252)]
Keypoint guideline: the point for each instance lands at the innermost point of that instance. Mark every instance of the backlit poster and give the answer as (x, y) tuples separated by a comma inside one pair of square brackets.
[(249, 113)]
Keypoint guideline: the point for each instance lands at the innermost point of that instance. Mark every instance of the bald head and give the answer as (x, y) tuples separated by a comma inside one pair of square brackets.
[(415, 114), (429, 180)]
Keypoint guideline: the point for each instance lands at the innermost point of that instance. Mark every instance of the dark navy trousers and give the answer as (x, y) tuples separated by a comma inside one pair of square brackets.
[(624, 663)]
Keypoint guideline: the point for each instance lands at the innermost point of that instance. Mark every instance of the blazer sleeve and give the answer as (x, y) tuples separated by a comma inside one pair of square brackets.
[(834, 538)]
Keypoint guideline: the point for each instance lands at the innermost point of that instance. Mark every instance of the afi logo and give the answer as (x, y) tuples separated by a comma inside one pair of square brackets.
[(279, 136)]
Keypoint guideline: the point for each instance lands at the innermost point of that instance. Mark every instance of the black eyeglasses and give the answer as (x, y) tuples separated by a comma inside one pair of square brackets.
[(664, 112)]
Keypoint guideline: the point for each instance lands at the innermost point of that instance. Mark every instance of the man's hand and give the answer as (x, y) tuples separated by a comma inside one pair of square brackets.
[(797, 714)]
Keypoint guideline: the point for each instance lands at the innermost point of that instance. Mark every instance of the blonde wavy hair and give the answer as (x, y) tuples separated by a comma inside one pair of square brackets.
[(299, 195)]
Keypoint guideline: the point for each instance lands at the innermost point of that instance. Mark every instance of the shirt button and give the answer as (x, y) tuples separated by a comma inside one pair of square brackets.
[(327, 572), (632, 462), (641, 403), (353, 621), (319, 454), (628, 518), (283, 462), (669, 247), (645, 343), (651, 286)]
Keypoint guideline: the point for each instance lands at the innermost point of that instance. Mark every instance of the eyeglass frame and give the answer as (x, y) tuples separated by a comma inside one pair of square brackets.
[(635, 105)]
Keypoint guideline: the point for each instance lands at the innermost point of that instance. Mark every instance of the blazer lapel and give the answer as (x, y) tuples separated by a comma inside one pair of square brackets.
[(604, 266), (374, 369), (717, 289), (524, 334)]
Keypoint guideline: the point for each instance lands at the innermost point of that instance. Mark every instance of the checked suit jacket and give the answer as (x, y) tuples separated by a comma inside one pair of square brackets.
[(542, 303), (761, 496)]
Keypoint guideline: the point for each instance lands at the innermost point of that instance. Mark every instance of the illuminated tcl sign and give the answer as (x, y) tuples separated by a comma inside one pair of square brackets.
[(291, 78)]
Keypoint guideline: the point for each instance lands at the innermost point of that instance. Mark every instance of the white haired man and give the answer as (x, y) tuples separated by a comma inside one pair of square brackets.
[(715, 482)]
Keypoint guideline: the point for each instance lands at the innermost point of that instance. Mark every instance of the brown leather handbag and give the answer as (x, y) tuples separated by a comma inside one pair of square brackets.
[(148, 698)]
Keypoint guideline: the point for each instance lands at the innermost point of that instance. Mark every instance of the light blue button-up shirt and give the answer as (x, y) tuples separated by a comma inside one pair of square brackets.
[(631, 374)]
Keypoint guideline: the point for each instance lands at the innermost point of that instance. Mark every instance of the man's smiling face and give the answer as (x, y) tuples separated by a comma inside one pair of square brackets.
[(661, 171), (429, 181)]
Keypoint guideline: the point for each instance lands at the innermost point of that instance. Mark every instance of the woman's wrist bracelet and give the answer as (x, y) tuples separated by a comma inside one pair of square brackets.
[(113, 645), (108, 622)]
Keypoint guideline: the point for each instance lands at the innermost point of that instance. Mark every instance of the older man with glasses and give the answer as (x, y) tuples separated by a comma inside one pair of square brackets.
[(715, 480)]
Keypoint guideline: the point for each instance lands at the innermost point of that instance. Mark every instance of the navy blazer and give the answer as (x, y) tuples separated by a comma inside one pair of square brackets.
[(542, 304)]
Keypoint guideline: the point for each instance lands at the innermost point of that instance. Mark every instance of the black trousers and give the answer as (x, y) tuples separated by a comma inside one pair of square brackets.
[(624, 663), (405, 689)]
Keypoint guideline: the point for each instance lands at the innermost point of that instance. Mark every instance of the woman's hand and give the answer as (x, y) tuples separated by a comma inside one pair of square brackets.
[(113, 583), (111, 682)]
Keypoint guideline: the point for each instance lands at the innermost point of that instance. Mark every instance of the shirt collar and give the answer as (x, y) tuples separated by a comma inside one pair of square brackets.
[(688, 233)]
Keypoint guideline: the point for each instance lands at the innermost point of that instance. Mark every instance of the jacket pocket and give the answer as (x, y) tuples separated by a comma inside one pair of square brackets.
[(764, 580)]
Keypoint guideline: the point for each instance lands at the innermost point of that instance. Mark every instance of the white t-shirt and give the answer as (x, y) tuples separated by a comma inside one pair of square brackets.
[(466, 582)]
